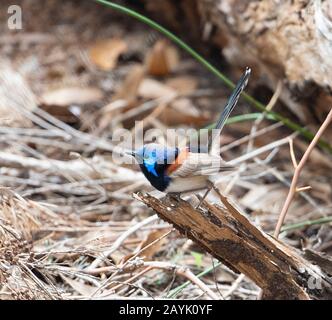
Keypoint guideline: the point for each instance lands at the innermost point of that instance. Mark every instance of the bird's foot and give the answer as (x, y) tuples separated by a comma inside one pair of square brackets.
[(201, 199), (175, 195)]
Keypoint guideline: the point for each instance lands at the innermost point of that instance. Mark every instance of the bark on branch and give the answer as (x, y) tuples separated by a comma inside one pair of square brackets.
[(231, 238)]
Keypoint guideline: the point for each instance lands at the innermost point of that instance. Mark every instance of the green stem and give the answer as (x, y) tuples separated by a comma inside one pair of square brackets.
[(306, 223), (258, 105), (241, 118)]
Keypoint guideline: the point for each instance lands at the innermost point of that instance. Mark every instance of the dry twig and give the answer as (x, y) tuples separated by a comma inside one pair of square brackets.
[(298, 168)]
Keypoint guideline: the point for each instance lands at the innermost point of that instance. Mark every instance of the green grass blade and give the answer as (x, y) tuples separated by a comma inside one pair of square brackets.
[(306, 223), (241, 118), (258, 105)]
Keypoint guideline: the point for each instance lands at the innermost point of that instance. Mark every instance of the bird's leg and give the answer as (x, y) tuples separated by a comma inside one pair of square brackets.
[(175, 195), (210, 186)]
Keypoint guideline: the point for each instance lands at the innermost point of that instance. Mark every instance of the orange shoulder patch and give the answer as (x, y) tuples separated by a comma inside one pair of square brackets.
[(182, 156)]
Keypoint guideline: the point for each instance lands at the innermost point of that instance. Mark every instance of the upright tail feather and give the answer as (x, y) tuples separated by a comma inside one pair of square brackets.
[(231, 103)]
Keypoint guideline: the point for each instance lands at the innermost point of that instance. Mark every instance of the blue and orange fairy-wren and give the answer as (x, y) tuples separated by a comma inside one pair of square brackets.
[(179, 171)]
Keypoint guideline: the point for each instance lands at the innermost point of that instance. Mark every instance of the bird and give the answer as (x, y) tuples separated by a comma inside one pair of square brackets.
[(175, 171)]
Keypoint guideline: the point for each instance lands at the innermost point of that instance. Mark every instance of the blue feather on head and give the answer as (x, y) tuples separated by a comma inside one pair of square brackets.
[(153, 159)]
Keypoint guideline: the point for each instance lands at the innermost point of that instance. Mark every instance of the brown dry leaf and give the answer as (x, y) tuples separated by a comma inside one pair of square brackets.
[(71, 95), (105, 53), (183, 84), (124, 99), (62, 113), (162, 58), (128, 90), (183, 112), (149, 252), (153, 89), (185, 105)]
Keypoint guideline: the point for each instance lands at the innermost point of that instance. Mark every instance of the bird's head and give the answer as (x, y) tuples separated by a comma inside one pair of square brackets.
[(155, 157)]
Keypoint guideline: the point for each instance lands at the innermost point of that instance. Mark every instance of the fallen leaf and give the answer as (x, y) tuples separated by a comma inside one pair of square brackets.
[(182, 111), (153, 89), (105, 53), (124, 99), (128, 90), (61, 112), (183, 84), (71, 95), (185, 106), (161, 59)]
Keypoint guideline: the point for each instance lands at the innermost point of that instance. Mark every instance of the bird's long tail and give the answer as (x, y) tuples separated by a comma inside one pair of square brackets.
[(231, 103)]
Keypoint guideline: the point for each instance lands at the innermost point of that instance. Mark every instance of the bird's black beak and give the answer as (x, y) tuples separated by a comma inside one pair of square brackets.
[(130, 153)]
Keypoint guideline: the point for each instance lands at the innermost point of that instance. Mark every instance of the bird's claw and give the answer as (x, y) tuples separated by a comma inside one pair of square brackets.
[(175, 195)]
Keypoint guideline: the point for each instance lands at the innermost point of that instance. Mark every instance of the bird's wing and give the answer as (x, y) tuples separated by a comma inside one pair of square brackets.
[(198, 164)]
